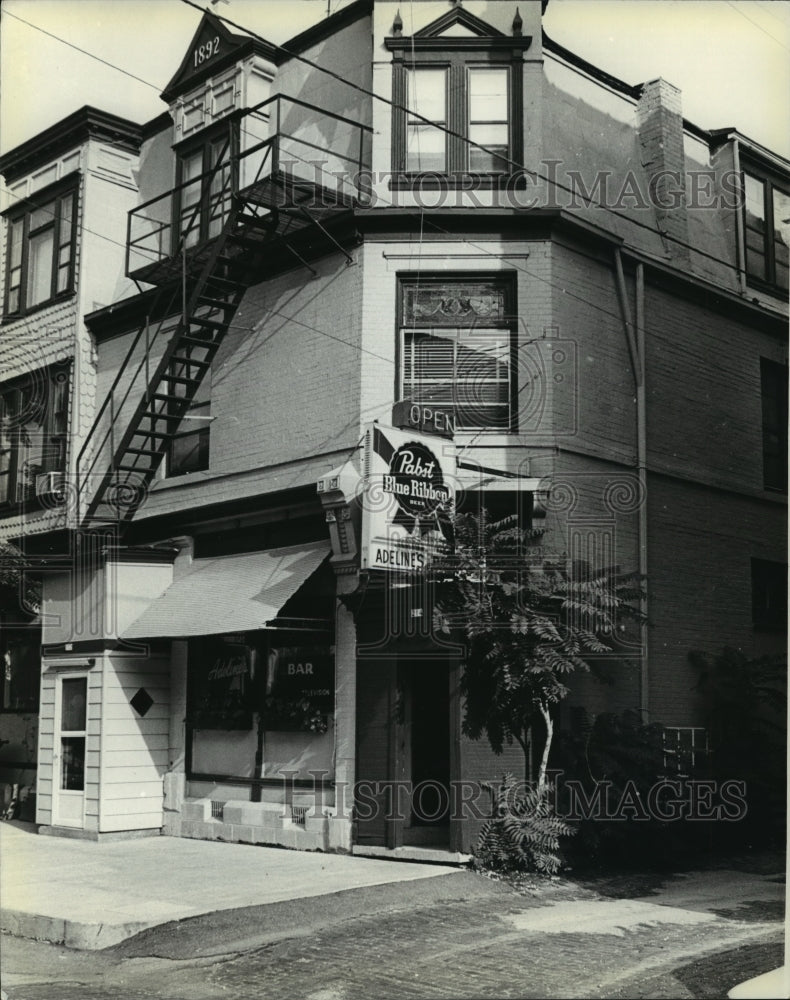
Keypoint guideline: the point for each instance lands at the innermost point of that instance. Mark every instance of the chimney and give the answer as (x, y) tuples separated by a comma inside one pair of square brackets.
[(660, 126)]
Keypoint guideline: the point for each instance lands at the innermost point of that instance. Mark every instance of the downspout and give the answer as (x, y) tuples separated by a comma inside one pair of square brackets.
[(740, 236), (641, 461), (636, 350)]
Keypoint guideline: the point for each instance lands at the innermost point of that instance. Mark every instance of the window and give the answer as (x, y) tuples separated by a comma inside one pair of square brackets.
[(204, 195), (40, 251), (485, 121), (773, 386), (767, 224), (469, 100), (188, 450), (457, 345), (33, 424), (457, 82), (426, 146), (21, 659), (769, 595)]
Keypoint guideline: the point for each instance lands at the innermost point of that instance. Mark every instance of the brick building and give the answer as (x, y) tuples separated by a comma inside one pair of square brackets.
[(457, 213)]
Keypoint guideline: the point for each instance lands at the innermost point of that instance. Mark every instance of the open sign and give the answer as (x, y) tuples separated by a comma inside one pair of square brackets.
[(423, 418)]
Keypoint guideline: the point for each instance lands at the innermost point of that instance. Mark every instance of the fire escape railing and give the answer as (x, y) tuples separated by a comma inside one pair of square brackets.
[(153, 232), (185, 234)]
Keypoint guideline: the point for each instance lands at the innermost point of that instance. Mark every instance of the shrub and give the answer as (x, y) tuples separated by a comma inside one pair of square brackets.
[(524, 832)]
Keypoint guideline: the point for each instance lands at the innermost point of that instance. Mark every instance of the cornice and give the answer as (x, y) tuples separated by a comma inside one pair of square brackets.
[(77, 128)]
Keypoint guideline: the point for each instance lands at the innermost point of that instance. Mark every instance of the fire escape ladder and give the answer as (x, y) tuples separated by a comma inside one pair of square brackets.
[(203, 243), (211, 301)]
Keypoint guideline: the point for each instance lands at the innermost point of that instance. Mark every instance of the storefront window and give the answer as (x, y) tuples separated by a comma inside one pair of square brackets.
[(221, 675), (257, 711)]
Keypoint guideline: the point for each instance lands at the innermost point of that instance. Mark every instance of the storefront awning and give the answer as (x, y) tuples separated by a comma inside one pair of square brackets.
[(229, 593)]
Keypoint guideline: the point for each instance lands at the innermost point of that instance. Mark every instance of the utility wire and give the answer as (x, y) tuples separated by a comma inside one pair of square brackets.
[(422, 219), (470, 142), (761, 28), (575, 193), (84, 52)]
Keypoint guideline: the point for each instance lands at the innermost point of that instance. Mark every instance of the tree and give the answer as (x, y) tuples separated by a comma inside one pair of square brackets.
[(529, 622)]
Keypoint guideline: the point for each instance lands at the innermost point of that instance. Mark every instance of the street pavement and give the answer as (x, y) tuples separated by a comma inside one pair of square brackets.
[(693, 934)]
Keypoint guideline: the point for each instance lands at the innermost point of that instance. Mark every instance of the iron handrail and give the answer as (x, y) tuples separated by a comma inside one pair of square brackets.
[(110, 398), (236, 158)]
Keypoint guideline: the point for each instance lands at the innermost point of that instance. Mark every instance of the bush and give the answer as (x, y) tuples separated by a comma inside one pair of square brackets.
[(745, 705), (624, 757), (523, 833)]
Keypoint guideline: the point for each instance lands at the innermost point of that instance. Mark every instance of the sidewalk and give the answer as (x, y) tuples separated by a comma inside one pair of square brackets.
[(90, 895)]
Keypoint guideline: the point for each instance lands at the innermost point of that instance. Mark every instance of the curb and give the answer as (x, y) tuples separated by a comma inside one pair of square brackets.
[(71, 933)]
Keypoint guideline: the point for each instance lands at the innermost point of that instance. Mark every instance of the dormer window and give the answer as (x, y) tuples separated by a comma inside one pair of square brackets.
[(767, 226), (457, 94), (40, 250)]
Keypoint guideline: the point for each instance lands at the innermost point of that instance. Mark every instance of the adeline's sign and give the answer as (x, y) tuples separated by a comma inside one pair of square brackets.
[(407, 500)]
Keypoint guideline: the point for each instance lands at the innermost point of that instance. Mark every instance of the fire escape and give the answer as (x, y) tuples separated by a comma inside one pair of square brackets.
[(201, 245)]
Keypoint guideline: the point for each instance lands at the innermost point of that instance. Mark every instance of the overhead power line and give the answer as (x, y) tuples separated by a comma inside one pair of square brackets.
[(470, 142)]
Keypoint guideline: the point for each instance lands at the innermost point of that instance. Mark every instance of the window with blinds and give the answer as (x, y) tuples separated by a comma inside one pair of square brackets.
[(457, 343)]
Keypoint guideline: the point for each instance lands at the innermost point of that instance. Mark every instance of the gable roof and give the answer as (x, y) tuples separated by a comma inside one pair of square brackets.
[(222, 48)]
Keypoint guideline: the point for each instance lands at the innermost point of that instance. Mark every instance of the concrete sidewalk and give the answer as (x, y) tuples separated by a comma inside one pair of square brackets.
[(91, 895)]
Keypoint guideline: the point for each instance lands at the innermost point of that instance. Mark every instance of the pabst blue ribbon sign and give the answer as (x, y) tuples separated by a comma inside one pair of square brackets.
[(407, 500)]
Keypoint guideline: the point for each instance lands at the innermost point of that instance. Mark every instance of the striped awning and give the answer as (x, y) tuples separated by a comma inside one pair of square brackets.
[(240, 593)]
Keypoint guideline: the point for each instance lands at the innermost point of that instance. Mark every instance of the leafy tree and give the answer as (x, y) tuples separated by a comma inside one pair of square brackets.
[(529, 621)]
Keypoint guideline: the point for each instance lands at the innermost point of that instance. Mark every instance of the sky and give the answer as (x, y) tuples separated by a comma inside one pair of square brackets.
[(731, 60)]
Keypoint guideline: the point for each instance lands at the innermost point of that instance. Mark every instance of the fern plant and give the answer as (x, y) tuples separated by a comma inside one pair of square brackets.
[(523, 833)]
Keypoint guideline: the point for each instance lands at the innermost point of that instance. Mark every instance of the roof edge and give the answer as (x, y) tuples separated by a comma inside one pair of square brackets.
[(86, 123), (323, 29)]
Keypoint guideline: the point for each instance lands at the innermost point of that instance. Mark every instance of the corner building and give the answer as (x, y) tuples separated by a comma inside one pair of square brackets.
[(206, 314)]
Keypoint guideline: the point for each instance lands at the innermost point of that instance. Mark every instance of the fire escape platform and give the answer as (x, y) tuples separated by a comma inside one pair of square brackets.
[(276, 209)]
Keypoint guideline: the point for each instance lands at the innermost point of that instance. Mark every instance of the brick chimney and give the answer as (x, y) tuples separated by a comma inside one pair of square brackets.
[(660, 126)]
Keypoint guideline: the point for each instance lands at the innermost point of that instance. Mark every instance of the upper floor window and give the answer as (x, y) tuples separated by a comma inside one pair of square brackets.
[(769, 594), (773, 386), (767, 225), (41, 235), (457, 95), (483, 118), (204, 188), (457, 349), (33, 424)]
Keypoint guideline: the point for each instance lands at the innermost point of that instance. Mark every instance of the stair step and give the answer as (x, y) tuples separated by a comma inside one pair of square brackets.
[(131, 468), (142, 451), (207, 300), (168, 398), (213, 324), (186, 339), (180, 379), (177, 359), (234, 286), (154, 434)]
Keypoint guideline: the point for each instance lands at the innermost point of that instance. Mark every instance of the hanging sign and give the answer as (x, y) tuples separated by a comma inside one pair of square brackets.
[(408, 499), (423, 418)]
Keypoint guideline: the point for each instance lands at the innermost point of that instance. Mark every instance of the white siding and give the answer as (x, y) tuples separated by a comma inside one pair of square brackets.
[(134, 754)]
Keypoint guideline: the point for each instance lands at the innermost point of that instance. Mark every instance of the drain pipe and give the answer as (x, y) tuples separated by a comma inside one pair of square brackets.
[(636, 350), (641, 461)]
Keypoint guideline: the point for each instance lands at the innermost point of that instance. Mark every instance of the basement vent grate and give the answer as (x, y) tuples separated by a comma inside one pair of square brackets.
[(298, 815), (217, 810)]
